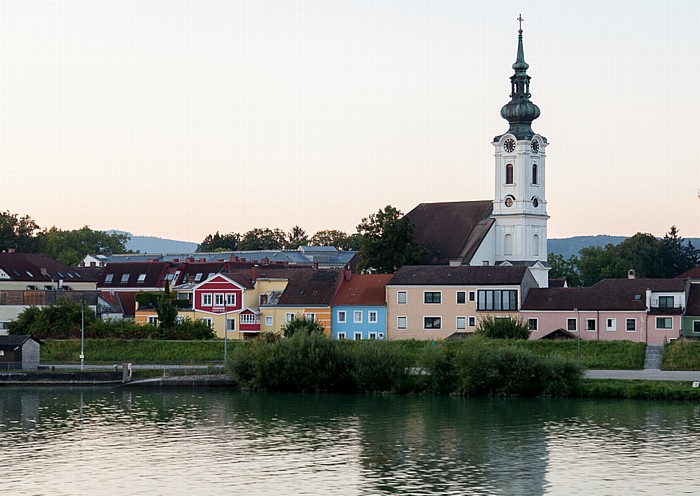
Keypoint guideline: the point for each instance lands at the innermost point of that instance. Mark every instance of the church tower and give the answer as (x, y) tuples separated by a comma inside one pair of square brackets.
[(520, 206)]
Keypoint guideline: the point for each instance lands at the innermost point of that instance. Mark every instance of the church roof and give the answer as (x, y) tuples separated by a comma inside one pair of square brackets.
[(451, 230)]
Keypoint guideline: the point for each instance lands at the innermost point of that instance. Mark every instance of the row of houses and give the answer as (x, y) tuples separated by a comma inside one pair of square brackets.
[(241, 298)]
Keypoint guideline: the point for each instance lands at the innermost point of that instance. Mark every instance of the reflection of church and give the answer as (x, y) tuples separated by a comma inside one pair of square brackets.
[(511, 229)]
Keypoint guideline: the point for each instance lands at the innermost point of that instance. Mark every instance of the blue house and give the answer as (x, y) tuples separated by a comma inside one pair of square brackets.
[(359, 307)]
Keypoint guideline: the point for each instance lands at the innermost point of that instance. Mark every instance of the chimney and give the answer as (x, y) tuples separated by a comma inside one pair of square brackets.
[(254, 273), (347, 273), (10, 250), (631, 274), (314, 265), (176, 260), (234, 258), (43, 271)]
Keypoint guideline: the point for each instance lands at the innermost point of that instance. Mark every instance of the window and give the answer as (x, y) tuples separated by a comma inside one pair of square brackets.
[(472, 321), (206, 300), (373, 335), (125, 278), (590, 325), (665, 301), (310, 316), (401, 322), (630, 325), (509, 174), (141, 279), (532, 324), (534, 173), (230, 325), (268, 321), (341, 335), (536, 245), (401, 297), (610, 324), (461, 297), (696, 326), (357, 316), (432, 323), (231, 299), (472, 295), (432, 297), (664, 322), (219, 300), (372, 317), (358, 336), (153, 320), (207, 322), (198, 277), (109, 277), (571, 325), (341, 316), (288, 317), (249, 318), (508, 244), (461, 323), (262, 299), (497, 299)]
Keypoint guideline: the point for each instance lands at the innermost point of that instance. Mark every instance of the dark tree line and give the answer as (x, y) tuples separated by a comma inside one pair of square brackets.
[(276, 239), (647, 255)]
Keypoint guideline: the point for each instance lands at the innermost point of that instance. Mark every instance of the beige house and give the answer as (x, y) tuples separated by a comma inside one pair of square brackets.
[(438, 302)]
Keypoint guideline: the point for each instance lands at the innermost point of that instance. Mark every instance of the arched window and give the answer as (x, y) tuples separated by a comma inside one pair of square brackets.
[(534, 173), (509, 174), (508, 244), (536, 245)]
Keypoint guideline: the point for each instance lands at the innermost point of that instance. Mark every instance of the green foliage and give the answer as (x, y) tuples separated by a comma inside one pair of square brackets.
[(263, 239), (508, 328), (682, 354), (220, 242), (638, 390), (562, 268), (339, 239), (133, 350), (297, 237), (678, 255), (387, 242), (377, 366), (301, 324), (17, 233), (70, 247)]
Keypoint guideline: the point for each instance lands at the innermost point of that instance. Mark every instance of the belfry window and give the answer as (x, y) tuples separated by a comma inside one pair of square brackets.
[(534, 173), (509, 174), (508, 244)]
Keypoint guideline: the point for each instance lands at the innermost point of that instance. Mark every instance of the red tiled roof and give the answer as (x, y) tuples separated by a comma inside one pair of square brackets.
[(693, 273), (153, 270), (363, 289), (29, 267)]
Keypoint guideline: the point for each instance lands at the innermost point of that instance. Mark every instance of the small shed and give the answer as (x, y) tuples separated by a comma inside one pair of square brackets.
[(19, 352)]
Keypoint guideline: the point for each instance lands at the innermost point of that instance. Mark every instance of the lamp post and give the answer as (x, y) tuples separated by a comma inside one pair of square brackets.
[(82, 333), (578, 331)]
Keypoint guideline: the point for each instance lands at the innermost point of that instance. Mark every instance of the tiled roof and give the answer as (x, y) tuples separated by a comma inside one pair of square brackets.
[(129, 275), (557, 283), (36, 267), (451, 230), (310, 287), (693, 273), (11, 342), (463, 275), (608, 294), (363, 289)]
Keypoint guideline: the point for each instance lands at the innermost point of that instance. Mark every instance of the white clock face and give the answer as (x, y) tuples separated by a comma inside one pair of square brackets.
[(509, 145)]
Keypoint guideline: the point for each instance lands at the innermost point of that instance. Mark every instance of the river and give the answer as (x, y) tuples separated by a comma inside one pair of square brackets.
[(95, 441)]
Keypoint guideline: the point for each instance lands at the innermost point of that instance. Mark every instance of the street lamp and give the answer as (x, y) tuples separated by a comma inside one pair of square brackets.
[(578, 331), (82, 333)]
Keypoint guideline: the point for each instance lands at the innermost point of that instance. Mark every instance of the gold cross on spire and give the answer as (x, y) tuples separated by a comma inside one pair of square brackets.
[(520, 20)]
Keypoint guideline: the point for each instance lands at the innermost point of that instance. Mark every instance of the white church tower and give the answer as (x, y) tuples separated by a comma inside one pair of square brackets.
[(520, 205)]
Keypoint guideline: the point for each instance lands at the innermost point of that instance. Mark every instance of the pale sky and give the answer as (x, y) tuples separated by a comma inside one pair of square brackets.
[(180, 118)]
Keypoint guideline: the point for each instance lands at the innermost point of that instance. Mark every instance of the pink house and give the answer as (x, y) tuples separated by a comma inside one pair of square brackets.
[(641, 310)]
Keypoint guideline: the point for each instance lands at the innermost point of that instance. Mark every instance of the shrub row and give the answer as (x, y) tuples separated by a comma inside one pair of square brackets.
[(313, 363)]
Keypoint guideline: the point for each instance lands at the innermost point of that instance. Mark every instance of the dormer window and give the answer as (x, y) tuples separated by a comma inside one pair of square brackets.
[(109, 277), (198, 277), (665, 301), (141, 279), (125, 278)]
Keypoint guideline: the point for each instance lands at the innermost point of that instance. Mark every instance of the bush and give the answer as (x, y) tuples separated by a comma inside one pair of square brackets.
[(507, 328), (377, 366), (303, 324)]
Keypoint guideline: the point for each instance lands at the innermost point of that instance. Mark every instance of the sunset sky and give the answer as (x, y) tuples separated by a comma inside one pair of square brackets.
[(180, 118)]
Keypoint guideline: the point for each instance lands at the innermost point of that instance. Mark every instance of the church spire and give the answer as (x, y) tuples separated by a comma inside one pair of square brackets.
[(520, 111)]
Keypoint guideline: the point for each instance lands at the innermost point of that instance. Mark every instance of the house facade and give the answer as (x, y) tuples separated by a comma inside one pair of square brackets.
[(438, 302), (640, 310), (359, 307)]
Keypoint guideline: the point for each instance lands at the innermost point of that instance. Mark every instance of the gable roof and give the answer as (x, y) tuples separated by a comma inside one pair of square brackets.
[(463, 275), (363, 289), (310, 287), (608, 294), (12, 342), (693, 273), (37, 268), (451, 230)]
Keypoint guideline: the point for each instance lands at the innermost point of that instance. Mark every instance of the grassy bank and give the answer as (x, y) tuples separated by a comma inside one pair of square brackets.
[(681, 355), (638, 390), (134, 351)]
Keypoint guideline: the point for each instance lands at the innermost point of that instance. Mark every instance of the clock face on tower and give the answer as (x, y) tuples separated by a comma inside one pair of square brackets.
[(535, 146), (509, 145)]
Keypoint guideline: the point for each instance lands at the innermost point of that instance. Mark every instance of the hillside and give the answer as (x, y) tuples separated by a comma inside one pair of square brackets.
[(571, 246), (152, 244)]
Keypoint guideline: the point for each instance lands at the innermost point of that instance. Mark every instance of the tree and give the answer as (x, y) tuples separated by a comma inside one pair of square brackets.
[(18, 233), (677, 255), (70, 247), (60, 321), (387, 242), (562, 268), (302, 324), (263, 239), (166, 309), (297, 237), (339, 239), (508, 328), (220, 242)]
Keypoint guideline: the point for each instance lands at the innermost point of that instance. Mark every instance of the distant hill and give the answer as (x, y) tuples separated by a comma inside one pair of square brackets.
[(151, 244), (571, 246)]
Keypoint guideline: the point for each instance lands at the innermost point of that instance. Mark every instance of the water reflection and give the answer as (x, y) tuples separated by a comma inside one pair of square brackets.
[(120, 441)]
